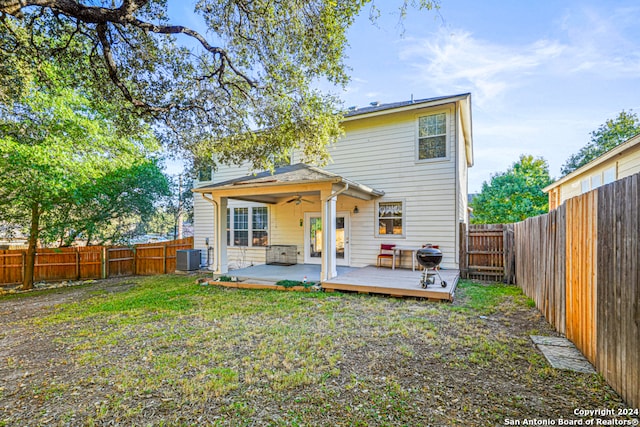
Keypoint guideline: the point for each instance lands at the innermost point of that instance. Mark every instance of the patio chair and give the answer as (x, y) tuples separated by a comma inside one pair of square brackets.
[(386, 252)]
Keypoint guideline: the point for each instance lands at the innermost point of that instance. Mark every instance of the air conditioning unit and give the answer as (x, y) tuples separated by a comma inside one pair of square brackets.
[(188, 259)]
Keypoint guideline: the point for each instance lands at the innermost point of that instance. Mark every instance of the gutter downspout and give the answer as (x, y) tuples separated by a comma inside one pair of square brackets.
[(337, 193), (216, 211)]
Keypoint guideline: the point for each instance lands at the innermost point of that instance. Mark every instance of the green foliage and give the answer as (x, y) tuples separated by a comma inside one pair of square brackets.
[(294, 283), (513, 195), (201, 97), (608, 136), (486, 298), (66, 170), (66, 160)]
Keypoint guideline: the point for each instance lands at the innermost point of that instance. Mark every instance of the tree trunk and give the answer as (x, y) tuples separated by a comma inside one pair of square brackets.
[(30, 259)]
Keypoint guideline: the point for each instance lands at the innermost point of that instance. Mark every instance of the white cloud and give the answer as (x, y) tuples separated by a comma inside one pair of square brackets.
[(602, 43), (456, 61)]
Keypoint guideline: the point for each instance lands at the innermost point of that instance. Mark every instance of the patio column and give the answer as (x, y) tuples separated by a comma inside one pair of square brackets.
[(220, 228), (329, 269)]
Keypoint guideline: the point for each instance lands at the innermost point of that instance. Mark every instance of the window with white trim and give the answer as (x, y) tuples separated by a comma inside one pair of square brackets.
[(240, 227), (432, 136), (609, 175), (390, 218), (244, 232), (585, 185), (259, 225)]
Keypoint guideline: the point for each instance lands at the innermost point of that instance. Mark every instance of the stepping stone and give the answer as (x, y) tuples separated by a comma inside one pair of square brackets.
[(562, 354)]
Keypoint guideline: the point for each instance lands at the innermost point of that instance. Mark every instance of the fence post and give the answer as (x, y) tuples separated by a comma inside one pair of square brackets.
[(103, 258), (24, 265), (463, 251), (164, 259), (509, 253), (77, 264), (135, 259)]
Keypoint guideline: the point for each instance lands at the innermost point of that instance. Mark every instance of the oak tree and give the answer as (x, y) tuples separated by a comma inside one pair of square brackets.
[(64, 168), (255, 68)]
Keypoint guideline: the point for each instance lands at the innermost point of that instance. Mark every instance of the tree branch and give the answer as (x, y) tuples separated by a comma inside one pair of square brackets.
[(124, 15)]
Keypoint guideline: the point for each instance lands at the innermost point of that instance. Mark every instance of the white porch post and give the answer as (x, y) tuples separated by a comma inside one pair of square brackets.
[(329, 270), (221, 265)]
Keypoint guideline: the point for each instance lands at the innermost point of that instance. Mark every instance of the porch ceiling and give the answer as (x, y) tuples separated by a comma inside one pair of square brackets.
[(295, 180)]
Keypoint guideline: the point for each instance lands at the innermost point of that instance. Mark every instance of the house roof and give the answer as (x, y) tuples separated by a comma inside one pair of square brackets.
[(289, 175), (376, 107), (463, 102), (616, 151)]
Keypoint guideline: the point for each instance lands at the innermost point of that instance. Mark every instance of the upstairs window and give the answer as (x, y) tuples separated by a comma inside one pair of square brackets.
[(432, 136)]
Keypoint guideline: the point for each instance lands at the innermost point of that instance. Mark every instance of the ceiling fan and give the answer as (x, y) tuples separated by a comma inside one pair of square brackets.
[(298, 200)]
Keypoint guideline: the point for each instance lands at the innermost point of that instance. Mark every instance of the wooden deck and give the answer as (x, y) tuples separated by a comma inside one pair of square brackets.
[(369, 280), (397, 283)]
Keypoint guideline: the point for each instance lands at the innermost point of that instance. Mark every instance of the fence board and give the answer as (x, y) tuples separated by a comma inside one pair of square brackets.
[(11, 266), (581, 258), (539, 264), (618, 293), (485, 252), (580, 263), (92, 262), (464, 271)]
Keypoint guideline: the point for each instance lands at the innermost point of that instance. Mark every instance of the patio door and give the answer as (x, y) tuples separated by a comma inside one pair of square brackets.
[(313, 238)]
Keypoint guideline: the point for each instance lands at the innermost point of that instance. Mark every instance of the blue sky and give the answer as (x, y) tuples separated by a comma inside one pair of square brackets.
[(543, 74)]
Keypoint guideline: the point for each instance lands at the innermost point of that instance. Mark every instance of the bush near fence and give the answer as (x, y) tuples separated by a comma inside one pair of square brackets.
[(93, 262)]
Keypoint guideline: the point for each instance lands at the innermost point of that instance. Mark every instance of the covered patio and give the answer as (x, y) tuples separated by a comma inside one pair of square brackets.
[(290, 186), (397, 282)]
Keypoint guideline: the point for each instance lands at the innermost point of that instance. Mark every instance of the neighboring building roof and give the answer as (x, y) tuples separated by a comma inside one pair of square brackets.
[(299, 173), (620, 149), (464, 100)]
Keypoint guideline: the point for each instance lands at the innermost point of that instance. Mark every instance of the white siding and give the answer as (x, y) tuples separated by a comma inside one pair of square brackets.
[(379, 152), (203, 227)]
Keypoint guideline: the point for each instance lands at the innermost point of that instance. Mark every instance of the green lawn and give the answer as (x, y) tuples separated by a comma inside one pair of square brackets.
[(167, 351)]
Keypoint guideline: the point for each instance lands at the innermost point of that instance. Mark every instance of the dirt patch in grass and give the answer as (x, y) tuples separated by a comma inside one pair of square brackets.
[(167, 351)]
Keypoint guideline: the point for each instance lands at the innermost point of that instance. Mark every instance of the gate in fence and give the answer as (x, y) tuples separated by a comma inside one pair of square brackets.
[(487, 252)]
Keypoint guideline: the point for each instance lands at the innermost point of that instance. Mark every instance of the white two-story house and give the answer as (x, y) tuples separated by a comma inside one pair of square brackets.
[(397, 176)]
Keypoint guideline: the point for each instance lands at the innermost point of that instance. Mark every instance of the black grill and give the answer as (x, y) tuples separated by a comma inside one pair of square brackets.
[(430, 258)]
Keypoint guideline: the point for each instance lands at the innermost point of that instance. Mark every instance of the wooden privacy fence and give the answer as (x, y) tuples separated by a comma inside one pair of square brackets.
[(93, 262), (579, 263), (487, 252)]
